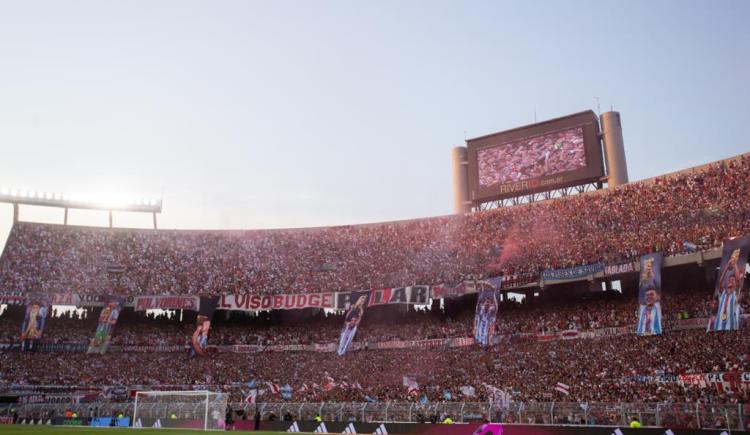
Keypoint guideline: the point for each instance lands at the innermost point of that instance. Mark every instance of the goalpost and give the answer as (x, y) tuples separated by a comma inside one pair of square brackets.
[(203, 410)]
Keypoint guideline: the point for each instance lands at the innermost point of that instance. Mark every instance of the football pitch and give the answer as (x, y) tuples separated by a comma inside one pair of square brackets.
[(68, 430)]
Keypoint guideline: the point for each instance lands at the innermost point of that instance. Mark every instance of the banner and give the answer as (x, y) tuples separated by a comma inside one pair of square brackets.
[(618, 269), (649, 295), (62, 347), (246, 302), (485, 314), (162, 348), (572, 272), (143, 303), (199, 340), (418, 294), (448, 291), (12, 298), (37, 307), (728, 291), (352, 319), (107, 321)]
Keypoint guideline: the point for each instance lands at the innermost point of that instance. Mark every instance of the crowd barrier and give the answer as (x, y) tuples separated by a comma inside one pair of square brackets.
[(730, 417), (471, 429)]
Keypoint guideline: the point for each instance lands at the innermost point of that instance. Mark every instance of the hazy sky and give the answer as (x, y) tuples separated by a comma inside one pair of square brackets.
[(253, 114)]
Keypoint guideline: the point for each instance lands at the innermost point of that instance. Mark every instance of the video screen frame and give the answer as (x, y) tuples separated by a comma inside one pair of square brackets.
[(592, 171)]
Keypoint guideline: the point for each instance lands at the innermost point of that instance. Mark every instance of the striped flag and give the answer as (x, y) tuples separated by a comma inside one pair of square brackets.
[(565, 389), (275, 389), (330, 383), (252, 396)]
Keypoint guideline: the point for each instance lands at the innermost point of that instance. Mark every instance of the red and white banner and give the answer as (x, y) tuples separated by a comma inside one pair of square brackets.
[(149, 348), (448, 291), (143, 303), (13, 298), (246, 302)]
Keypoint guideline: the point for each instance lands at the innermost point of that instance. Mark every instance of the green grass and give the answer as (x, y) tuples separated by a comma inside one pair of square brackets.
[(68, 430)]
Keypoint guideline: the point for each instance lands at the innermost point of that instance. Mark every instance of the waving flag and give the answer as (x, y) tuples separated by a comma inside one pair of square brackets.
[(563, 388), (411, 385), (275, 389)]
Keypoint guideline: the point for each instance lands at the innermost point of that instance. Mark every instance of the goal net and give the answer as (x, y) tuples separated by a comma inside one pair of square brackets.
[(180, 409)]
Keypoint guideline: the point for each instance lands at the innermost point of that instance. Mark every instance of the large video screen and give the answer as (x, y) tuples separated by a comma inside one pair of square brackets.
[(549, 155), (534, 157)]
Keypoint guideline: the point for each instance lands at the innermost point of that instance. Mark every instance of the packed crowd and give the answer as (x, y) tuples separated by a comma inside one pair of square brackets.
[(602, 369), (597, 370), (586, 312), (700, 207)]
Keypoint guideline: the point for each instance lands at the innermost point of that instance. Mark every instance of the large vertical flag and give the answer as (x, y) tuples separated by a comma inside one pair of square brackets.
[(649, 295), (354, 314), (728, 291), (37, 307), (107, 320), (199, 340), (486, 312)]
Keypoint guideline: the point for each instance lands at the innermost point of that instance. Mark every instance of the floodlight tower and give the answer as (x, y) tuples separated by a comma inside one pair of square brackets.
[(19, 197)]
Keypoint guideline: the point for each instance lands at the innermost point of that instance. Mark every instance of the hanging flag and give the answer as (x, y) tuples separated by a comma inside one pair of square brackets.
[(199, 340), (486, 313), (351, 322), (649, 295), (107, 321), (37, 306), (728, 290)]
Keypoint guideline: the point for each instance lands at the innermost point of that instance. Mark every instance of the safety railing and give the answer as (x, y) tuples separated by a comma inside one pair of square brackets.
[(673, 415)]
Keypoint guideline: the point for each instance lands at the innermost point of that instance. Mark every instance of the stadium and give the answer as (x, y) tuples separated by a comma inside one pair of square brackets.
[(559, 297)]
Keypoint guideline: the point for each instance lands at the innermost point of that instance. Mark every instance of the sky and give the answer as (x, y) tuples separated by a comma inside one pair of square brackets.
[(268, 114)]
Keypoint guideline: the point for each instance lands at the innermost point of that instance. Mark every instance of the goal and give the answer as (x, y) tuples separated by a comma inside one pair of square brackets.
[(180, 409)]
